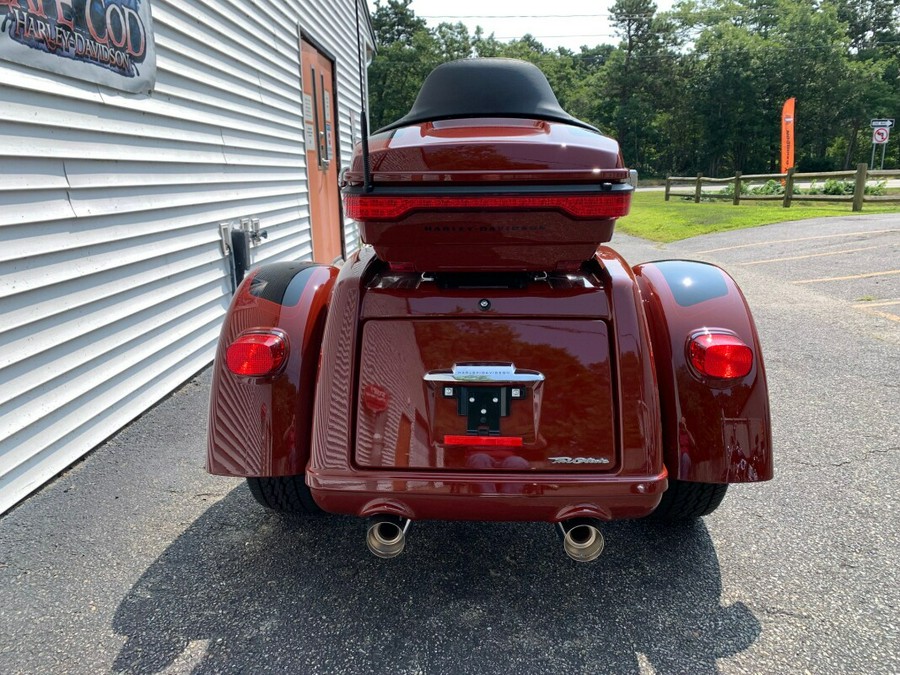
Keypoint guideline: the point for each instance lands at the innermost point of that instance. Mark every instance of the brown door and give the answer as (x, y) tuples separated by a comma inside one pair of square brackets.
[(320, 121)]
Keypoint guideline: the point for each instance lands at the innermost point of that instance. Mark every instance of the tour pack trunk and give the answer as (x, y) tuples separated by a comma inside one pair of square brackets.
[(487, 173), (488, 194)]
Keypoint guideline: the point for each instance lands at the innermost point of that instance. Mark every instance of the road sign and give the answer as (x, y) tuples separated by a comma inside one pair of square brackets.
[(885, 123), (881, 134)]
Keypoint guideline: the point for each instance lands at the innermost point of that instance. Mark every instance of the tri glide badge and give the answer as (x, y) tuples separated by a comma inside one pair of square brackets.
[(579, 460)]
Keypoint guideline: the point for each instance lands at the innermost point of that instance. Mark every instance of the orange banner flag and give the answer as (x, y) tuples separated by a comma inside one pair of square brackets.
[(787, 135)]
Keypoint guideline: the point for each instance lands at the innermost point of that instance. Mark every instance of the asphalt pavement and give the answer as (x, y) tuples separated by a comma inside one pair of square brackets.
[(137, 561)]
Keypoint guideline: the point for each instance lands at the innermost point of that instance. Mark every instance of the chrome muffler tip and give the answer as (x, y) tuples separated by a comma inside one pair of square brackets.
[(386, 536), (582, 539)]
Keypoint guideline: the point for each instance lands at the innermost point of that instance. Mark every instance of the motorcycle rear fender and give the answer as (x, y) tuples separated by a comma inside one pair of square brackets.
[(714, 431), (338, 485), (261, 426)]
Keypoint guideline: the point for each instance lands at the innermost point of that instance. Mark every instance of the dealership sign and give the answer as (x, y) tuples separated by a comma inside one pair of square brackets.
[(105, 41)]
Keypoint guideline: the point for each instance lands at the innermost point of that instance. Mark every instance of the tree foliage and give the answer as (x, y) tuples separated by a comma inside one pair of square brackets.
[(699, 88)]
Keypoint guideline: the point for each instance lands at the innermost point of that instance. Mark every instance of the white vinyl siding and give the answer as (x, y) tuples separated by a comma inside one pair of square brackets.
[(112, 280)]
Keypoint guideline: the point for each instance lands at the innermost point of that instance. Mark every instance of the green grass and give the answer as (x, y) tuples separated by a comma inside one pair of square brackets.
[(654, 218)]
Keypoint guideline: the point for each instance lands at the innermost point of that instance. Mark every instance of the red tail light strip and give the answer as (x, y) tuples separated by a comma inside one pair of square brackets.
[(367, 208), (492, 441)]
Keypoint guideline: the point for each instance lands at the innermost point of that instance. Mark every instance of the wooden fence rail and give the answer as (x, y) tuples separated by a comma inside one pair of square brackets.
[(858, 198)]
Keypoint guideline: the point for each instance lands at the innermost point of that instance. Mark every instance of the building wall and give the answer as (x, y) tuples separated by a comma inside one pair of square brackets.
[(112, 279)]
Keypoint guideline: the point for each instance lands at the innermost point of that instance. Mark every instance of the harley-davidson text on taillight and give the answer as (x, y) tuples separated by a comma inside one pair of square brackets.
[(257, 353), (720, 355)]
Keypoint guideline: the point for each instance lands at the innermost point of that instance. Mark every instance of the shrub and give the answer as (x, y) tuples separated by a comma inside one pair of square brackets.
[(832, 186), (837, 187), (729, 189), (771, 187)]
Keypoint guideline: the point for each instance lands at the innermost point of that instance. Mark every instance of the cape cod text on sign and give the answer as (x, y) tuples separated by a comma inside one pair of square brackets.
[(109, 42)]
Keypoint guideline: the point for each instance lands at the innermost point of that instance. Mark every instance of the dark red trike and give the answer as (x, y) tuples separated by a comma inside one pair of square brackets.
[(485, 356)]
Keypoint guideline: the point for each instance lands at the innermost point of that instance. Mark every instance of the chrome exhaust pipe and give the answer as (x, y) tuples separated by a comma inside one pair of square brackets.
[(386, 535), (582, 539)]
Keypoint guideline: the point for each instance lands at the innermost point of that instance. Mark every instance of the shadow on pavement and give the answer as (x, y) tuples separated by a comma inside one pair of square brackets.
[(274, 595)]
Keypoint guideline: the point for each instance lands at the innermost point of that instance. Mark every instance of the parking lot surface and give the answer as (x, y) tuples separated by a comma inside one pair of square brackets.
[(137, 561)]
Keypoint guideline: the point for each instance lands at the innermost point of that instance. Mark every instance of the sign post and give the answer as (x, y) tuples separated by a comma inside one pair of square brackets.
[(881, 133)]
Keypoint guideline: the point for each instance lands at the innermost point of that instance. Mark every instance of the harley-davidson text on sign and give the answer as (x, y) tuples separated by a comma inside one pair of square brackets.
[(109, 42)]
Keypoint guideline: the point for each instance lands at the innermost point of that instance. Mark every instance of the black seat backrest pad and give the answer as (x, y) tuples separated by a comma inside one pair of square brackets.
[(491, 87)]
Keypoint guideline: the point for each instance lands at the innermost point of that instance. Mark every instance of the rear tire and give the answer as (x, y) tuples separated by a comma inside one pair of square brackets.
[(688, 501), (285, 494)]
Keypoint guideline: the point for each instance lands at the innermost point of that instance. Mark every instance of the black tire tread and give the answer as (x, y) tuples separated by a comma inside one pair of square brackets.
[(688, 501), (286, 494)]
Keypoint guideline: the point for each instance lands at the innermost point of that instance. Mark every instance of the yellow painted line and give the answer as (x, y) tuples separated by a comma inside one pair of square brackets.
[(815, 255), (879, 303), (852, 276), (883, 315), (787, 241)]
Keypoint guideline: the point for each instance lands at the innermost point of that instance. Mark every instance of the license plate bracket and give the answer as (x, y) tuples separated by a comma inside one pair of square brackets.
[(483, 407)]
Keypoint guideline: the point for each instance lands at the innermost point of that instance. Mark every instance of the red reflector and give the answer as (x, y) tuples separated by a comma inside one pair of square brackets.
[(256, 354), (720, 355), (493, 441), (608, 205)]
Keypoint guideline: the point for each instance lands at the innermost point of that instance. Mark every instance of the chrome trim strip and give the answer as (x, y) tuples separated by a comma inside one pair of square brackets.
[(492, 373)]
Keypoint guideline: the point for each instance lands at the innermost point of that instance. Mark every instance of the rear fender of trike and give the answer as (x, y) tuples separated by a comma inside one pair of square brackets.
[(714, 430), (261, 426)]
